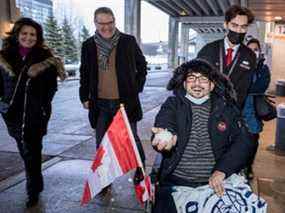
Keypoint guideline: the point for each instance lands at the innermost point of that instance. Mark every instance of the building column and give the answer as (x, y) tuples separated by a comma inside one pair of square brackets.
[(184, 42), (172, 42), (261, 32), (133, 18), (8, 15), (244, 3)]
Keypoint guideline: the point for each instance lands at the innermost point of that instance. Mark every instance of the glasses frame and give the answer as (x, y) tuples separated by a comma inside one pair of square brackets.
[(110, 23), (201, 79)]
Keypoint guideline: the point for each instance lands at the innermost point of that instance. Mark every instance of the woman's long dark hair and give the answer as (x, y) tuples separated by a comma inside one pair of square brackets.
[(12, 39)]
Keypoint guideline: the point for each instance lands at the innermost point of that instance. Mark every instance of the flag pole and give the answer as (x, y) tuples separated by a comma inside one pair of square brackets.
[(125, 117), (143, 193)]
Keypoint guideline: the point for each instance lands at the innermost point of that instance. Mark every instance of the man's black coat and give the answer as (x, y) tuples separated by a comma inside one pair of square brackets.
[(242, 72), (231, 143), (131, 74)]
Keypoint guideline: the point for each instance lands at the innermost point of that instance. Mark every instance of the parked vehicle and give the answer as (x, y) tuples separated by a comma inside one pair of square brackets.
[(71, 69), (156, 67)]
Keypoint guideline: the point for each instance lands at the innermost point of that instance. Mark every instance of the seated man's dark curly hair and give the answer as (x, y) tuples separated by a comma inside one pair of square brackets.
[(223, 86)]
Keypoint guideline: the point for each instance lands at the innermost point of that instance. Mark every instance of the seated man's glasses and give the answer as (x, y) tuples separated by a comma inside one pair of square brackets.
[(192, 78)]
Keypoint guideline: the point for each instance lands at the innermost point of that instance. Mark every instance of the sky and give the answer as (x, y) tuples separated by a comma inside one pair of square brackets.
[(82, 12)]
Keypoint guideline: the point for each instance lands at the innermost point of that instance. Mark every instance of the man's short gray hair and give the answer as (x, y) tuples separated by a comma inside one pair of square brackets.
[(105, 10)]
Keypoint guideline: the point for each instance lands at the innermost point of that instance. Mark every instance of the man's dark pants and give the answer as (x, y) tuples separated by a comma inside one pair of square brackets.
[(164, 201), (107, 110)]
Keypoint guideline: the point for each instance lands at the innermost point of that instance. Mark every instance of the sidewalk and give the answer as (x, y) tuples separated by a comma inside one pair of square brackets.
[(69, 149), (64, 180), (269, 168)]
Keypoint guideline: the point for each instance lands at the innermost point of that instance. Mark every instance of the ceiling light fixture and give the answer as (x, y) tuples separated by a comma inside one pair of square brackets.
[(278, 18)]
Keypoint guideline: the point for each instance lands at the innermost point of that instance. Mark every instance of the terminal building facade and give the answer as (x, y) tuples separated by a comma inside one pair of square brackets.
[(39, 10)]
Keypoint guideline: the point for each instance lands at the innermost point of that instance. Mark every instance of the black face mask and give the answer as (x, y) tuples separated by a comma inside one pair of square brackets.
[(235, 38)]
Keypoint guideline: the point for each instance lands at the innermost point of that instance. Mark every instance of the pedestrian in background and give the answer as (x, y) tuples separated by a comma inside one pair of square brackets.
[(113, 71), (28, 82), (260, 84)]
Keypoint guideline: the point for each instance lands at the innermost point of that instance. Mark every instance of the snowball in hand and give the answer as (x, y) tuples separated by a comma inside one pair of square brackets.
[(163, 136)]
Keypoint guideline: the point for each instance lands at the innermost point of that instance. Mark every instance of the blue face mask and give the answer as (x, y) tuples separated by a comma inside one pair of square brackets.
[(197, 101)]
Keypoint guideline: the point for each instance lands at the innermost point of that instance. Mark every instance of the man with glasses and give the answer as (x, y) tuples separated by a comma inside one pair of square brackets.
[(112, 71), (199, 132), (230, 55)]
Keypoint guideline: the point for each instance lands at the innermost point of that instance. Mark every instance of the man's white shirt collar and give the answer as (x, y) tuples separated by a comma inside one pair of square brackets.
[(235, 48)]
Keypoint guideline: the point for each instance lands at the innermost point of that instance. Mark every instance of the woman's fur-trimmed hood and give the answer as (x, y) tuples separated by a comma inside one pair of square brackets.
[(6, 66), (37, 68)]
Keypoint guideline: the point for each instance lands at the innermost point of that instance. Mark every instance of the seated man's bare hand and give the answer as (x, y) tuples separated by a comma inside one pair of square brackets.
[(86, 104), (163, 139), (216, 181)]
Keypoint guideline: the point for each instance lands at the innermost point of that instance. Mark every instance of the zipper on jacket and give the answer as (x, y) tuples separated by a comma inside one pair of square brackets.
[(24, 110)]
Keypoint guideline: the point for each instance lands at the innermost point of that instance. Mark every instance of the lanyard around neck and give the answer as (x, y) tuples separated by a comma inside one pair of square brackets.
[(222, 61)]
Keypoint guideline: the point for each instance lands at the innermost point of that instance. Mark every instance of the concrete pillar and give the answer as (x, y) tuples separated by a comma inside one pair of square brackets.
[(280, 125), (261, 26), (172, 42), (133, 18), (257, 30), (278, 62), (184, 42), (8, 14), (244, 3)]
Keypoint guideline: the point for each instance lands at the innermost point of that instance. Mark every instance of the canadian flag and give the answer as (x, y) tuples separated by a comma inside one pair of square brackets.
[(144, 190), (116, 155)]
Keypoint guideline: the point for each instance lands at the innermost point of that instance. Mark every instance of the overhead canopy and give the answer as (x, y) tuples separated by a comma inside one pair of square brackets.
[(267, 10), (264, 10)]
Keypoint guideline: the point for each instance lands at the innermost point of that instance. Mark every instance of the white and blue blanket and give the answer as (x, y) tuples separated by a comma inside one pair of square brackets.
[(238, 198)]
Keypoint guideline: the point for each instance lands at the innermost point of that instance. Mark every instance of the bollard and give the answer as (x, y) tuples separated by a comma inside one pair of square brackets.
[(280, 87), (280, 127)]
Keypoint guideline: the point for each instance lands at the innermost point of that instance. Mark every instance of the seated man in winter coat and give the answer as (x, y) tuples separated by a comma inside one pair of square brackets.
[(200, 133)]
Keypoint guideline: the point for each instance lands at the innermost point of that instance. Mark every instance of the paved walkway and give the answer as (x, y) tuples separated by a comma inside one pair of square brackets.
[(269, 169), (69, 149), (68, 152)]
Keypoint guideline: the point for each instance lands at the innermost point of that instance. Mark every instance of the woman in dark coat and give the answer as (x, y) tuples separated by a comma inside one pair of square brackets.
[(260, 83), (28, 82)]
